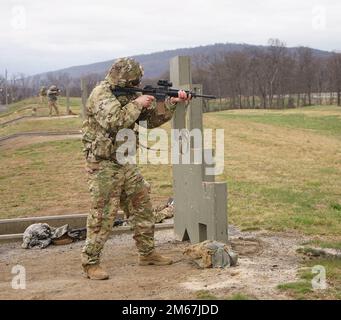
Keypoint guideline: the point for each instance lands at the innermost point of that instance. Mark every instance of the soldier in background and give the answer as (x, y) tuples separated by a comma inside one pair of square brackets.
[(112, 184), (52, 94), (42, 94)]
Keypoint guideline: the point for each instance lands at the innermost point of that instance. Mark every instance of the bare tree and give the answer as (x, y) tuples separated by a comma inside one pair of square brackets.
[(306, 72), (274, 59), (334, 71), (267, 77)]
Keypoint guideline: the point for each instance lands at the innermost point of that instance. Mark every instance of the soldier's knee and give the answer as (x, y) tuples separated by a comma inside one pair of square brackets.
[(100, 203), (144, 227), (141, 199)]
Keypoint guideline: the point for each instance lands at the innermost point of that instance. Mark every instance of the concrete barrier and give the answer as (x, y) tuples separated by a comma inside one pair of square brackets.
[(6, 238), (18, 225)]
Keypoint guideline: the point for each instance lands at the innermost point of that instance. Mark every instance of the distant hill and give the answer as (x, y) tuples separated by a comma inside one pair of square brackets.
[(156, 64)]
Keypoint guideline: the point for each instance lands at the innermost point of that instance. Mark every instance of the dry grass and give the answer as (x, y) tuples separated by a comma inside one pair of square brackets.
[(302, 289), (31, 125), (49, 178), (279, 177), (41, 179), (24, 108)]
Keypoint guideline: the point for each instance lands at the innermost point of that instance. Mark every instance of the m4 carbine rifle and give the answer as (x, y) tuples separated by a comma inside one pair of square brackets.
[(163, 90)]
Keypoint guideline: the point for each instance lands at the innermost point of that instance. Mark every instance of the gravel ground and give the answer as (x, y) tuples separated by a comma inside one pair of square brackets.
[(265, 260)]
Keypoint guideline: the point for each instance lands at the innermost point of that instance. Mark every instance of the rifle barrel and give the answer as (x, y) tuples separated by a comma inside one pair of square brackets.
[(159, 91), (205, 96)]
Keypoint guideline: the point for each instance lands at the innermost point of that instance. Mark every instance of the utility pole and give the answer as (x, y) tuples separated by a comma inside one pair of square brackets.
[(6, 94), (67, 92), (84, 97)]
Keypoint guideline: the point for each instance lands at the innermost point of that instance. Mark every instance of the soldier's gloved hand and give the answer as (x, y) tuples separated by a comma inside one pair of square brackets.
[(182, 97), (145, 100)]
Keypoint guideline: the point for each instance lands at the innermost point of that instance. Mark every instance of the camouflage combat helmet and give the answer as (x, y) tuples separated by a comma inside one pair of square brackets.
[(125, 72), (53, 88), (43, 90)]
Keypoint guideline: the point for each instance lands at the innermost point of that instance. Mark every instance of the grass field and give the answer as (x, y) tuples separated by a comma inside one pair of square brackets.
[(33, 124), (302, 289), (20, 106), (24, 108), (283, 170)]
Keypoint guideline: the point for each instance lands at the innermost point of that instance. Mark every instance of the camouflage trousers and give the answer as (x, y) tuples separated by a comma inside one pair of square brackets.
[(53, 104), (42, 99), (112, 186)]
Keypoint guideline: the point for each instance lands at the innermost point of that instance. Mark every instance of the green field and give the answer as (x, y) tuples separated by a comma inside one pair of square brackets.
[(283, 168), (33, 124), (24, 108), (324, 120), (283, 171), (302, 289)]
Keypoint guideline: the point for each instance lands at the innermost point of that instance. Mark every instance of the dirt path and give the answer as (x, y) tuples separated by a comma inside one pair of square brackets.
[(23, 141), (55, 273), (15, 117)]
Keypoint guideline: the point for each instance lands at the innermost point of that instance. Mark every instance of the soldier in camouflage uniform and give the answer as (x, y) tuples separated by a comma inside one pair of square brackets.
[(42, 94), (111, 184), (52, 94)]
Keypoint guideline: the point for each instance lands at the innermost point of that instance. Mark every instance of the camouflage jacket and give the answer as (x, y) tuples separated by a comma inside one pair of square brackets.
[(43, 92), (52, 95), (107, 114)]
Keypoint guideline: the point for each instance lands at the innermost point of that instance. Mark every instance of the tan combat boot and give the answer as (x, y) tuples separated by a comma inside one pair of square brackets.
[(155, 259), (95, 272)]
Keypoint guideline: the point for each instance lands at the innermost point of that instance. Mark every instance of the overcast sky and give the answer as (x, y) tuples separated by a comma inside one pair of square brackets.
[(42, 35)]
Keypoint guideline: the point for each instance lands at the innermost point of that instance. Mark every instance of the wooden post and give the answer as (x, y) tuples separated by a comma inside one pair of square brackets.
[(200, 203), (6, 90), (67, 89), (84, 97)]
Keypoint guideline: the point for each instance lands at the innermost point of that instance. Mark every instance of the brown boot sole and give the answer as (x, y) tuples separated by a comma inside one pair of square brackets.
[(92, 278), (86, 276), (149, 263)]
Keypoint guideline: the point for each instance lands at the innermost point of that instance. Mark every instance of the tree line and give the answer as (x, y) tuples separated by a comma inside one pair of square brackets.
[(20, 86), (272, 76)]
